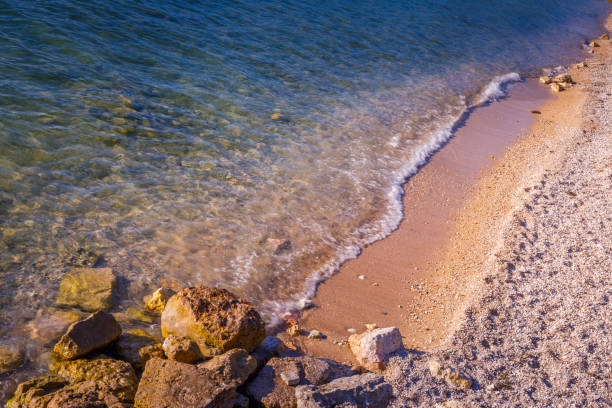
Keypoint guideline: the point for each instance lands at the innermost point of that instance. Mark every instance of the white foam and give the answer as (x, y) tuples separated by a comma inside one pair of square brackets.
[(392, 217), (494, 90)]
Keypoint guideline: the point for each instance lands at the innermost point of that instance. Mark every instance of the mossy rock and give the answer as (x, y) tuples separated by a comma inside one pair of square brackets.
[(156, 301), (113, 376), (90, 289), (36, 392), (11, 357), (214, 318)]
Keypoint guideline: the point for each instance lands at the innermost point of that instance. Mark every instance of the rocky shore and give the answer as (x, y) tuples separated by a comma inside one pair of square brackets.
[(537, 336), (213, 353)]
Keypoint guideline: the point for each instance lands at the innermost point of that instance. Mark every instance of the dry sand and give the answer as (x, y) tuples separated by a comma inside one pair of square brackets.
[(528, 252)]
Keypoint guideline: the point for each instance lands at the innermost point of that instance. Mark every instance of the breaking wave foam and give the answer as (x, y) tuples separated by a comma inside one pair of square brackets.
[(393, 214)]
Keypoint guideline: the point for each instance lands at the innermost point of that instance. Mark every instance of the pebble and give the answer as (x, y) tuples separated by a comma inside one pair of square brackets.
[(362, 277), (294, 330), (351, 330), (369, 327), (304, 304), (315, 334)]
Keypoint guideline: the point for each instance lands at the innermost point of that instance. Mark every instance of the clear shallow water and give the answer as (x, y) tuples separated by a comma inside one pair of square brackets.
[(252, 145)]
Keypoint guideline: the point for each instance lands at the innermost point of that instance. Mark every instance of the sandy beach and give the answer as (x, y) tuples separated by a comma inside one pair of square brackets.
[(492, 291), (511, 280)]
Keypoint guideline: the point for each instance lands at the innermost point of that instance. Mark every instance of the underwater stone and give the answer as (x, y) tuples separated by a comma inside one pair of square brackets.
[(90, 289), (11, 357)]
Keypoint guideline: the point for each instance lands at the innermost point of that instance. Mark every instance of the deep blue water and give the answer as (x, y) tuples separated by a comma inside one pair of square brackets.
[(248, 144)]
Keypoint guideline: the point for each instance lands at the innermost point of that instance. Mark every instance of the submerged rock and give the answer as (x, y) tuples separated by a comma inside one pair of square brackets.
[(156, 301), (181, 349), (214, 318), (361, 391), (51, 322), (452, 376), (172, 384), (11, 357), (36, 392), (371, 348), (90, 289), (110, 376), (130, 344), (93, 333)]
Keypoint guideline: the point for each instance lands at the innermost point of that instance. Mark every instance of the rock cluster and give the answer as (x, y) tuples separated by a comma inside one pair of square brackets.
[(215, 353)]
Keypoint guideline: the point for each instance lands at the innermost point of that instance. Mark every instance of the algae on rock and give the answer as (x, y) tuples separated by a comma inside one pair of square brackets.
[(90, 289), (112, 376)]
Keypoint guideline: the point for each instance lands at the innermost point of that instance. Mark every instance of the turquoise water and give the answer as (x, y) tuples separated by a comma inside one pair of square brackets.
[(248, 144)]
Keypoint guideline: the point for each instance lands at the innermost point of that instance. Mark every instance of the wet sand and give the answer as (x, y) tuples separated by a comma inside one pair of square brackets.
[(423, 276)]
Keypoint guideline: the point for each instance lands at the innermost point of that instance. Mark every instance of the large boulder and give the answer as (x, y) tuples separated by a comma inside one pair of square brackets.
[(109, 376), (36, 392), (359, 391), (95, 332), (371, 348), (214, 318), (90, 289), (235, 366), (172, 384), (274, 385)]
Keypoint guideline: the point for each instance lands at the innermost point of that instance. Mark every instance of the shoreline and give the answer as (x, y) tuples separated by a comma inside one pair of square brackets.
[(444, 231)]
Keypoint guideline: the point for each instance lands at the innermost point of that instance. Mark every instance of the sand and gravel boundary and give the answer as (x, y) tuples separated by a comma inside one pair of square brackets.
[(533, 328)]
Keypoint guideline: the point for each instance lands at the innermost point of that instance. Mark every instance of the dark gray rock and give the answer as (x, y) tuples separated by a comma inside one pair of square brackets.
[(271, 388), (359, 391)]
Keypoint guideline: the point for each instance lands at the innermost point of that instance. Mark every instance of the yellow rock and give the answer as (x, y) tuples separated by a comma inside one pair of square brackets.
[(556, 87), (294, 330), (114, 376), (87, 288), (545, 80)]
